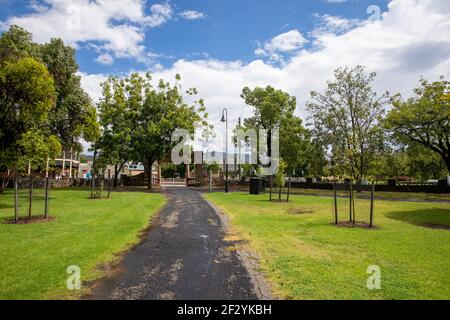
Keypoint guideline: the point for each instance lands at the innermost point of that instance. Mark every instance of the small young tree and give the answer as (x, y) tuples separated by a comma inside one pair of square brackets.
[(116, 120), (36, 149), (275, 109), (280, 177), (345, 119)]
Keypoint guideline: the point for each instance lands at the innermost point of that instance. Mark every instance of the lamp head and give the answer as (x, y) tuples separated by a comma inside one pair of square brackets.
[(223, 116)]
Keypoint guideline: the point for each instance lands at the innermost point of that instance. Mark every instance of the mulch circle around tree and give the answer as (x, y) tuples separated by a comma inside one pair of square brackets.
[(357, 224), (33, 220)]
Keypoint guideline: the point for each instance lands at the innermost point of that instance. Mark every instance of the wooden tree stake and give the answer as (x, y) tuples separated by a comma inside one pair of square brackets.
[(47, 186), (372, 200), (16, 201), (336, 220)]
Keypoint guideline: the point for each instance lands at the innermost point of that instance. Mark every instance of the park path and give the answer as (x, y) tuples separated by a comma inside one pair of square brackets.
[(184, 256)]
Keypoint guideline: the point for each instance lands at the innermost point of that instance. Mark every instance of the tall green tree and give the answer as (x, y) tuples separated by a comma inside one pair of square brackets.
[(27, 96), (74, 115), (275, 109), (389, 164), (346, 118), (425, 164), (163, 110), (117, 110), (425, 118), (40, 91), (151, 114), (17, 43)]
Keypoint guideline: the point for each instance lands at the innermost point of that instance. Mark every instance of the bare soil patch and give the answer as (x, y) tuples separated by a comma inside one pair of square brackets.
[(33, 220), (357, 224)]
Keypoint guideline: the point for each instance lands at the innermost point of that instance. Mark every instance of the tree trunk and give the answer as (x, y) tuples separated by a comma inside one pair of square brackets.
[(116, 172), (149, 176), (109, 189), (6, 180), (359, 184), (447, 161)]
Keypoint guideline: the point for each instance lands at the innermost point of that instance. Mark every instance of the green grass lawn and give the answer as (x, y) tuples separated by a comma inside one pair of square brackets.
[(407, 196), (87, 233), (305, 257)]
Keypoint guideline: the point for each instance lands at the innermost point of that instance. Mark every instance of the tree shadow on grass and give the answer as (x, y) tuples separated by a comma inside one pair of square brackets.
[(434, 218)]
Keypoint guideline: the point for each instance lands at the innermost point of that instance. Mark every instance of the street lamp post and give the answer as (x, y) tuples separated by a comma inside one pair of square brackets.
[(225, 119), (239, 155)]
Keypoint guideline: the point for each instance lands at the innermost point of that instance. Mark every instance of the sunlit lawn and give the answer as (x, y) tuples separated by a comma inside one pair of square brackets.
[(383, 195), (87, 233), (305, 257)]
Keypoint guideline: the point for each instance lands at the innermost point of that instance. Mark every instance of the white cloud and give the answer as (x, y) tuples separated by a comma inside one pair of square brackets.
[(411, 40), (334, 24), (115, 26), (105, 59), (161, 13), (91, 84), (192, 15), (287, 42)]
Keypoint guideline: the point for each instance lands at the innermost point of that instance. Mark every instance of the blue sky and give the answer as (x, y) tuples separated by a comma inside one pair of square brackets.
[(228, 31), (221, 46)]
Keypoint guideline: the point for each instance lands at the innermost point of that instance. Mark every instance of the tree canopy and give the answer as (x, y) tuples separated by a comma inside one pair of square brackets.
[(73, 116), (276, 109), (117, 111), (346, 118), (27, 96), (424, 119), (42, 104), (138, 118)]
